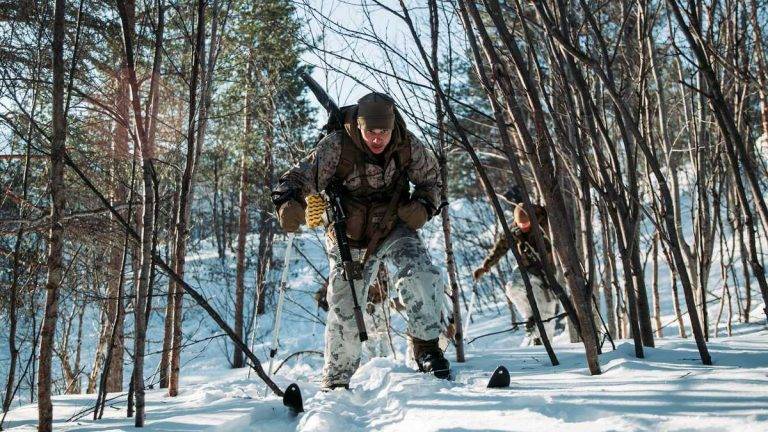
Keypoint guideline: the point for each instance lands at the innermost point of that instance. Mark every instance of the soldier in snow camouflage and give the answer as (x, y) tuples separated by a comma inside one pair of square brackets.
[(376, 159), (532, 263)]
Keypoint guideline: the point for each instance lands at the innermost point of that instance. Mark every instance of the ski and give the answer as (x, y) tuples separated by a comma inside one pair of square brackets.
[(499, 379)]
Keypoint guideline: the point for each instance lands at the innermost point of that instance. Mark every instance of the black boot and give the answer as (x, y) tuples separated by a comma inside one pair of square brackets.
[(430, 359)]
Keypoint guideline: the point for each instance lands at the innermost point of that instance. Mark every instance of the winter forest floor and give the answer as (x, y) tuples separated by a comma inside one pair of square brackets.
[(668, 390)]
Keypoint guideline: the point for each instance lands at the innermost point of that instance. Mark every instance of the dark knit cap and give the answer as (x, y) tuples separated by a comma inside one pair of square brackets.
[(376, 111)]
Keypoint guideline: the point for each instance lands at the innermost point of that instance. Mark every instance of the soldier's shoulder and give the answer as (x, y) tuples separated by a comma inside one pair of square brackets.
[(413, 139), (330, 143), (334, 137), (416, 147)]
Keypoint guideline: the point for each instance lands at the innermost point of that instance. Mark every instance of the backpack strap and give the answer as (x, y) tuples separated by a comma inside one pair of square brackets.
[(350, 157), (404, 153)]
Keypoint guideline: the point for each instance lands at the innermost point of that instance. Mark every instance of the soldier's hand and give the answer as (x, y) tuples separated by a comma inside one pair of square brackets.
[(291, 216), (479, 272), (414, 214)]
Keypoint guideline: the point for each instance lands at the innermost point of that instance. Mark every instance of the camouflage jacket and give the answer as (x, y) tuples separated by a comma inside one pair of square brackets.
[(531, 261), (369, 180)]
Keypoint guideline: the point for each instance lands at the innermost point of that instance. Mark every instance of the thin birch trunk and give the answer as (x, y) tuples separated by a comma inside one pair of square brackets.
[(56, 233)]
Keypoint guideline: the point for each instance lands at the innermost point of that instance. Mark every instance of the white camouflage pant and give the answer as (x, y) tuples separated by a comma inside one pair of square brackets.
[(417, 281), (375, 317), (545, 300)]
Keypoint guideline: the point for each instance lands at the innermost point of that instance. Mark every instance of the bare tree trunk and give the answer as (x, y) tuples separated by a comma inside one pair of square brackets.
[(116, 308), (739, 228), (655, 287), (675, 295), (450, 260), (165, 357), (264, 252), (56, 233), (266, 221), (218, 223), (127, 17), (607, 272), (186, 196), (72, 371), (629, 287), (242, 227), (242, 232)]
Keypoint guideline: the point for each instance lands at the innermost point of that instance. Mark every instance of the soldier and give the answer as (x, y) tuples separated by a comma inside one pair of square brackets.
[(533, 265), (375, 159)]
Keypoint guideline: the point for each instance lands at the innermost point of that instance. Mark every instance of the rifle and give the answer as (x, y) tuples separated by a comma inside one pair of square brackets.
[(335, 117), (352, 269)]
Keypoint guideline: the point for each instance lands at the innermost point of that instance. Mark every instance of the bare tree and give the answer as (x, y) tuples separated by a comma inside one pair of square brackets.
[(56, 233)]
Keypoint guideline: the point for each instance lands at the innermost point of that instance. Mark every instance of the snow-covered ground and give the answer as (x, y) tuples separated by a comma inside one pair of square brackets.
[(667, 390)]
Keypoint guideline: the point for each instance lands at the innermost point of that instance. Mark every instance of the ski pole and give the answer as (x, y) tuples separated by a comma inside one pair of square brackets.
[(281, 299), (471, 308), (255, 316)]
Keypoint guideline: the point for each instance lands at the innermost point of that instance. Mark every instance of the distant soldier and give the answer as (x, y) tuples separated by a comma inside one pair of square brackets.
[(522, 240), (376, 160)]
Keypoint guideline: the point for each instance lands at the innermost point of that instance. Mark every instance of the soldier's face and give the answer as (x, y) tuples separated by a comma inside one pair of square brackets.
[(376, 139)]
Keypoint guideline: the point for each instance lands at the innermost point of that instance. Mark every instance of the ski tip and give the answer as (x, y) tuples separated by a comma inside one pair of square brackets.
[(500, 378), (292, 399)]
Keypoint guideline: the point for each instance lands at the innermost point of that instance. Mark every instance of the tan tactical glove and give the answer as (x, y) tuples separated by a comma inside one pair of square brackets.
[(414, 214), (291, 215)]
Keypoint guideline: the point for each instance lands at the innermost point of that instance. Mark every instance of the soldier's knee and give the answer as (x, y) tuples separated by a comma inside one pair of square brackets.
[(420, 283)]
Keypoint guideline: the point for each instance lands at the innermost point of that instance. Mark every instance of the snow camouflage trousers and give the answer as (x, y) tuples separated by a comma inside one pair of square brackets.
[(417, 281), (545, 300), (375, 317)]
